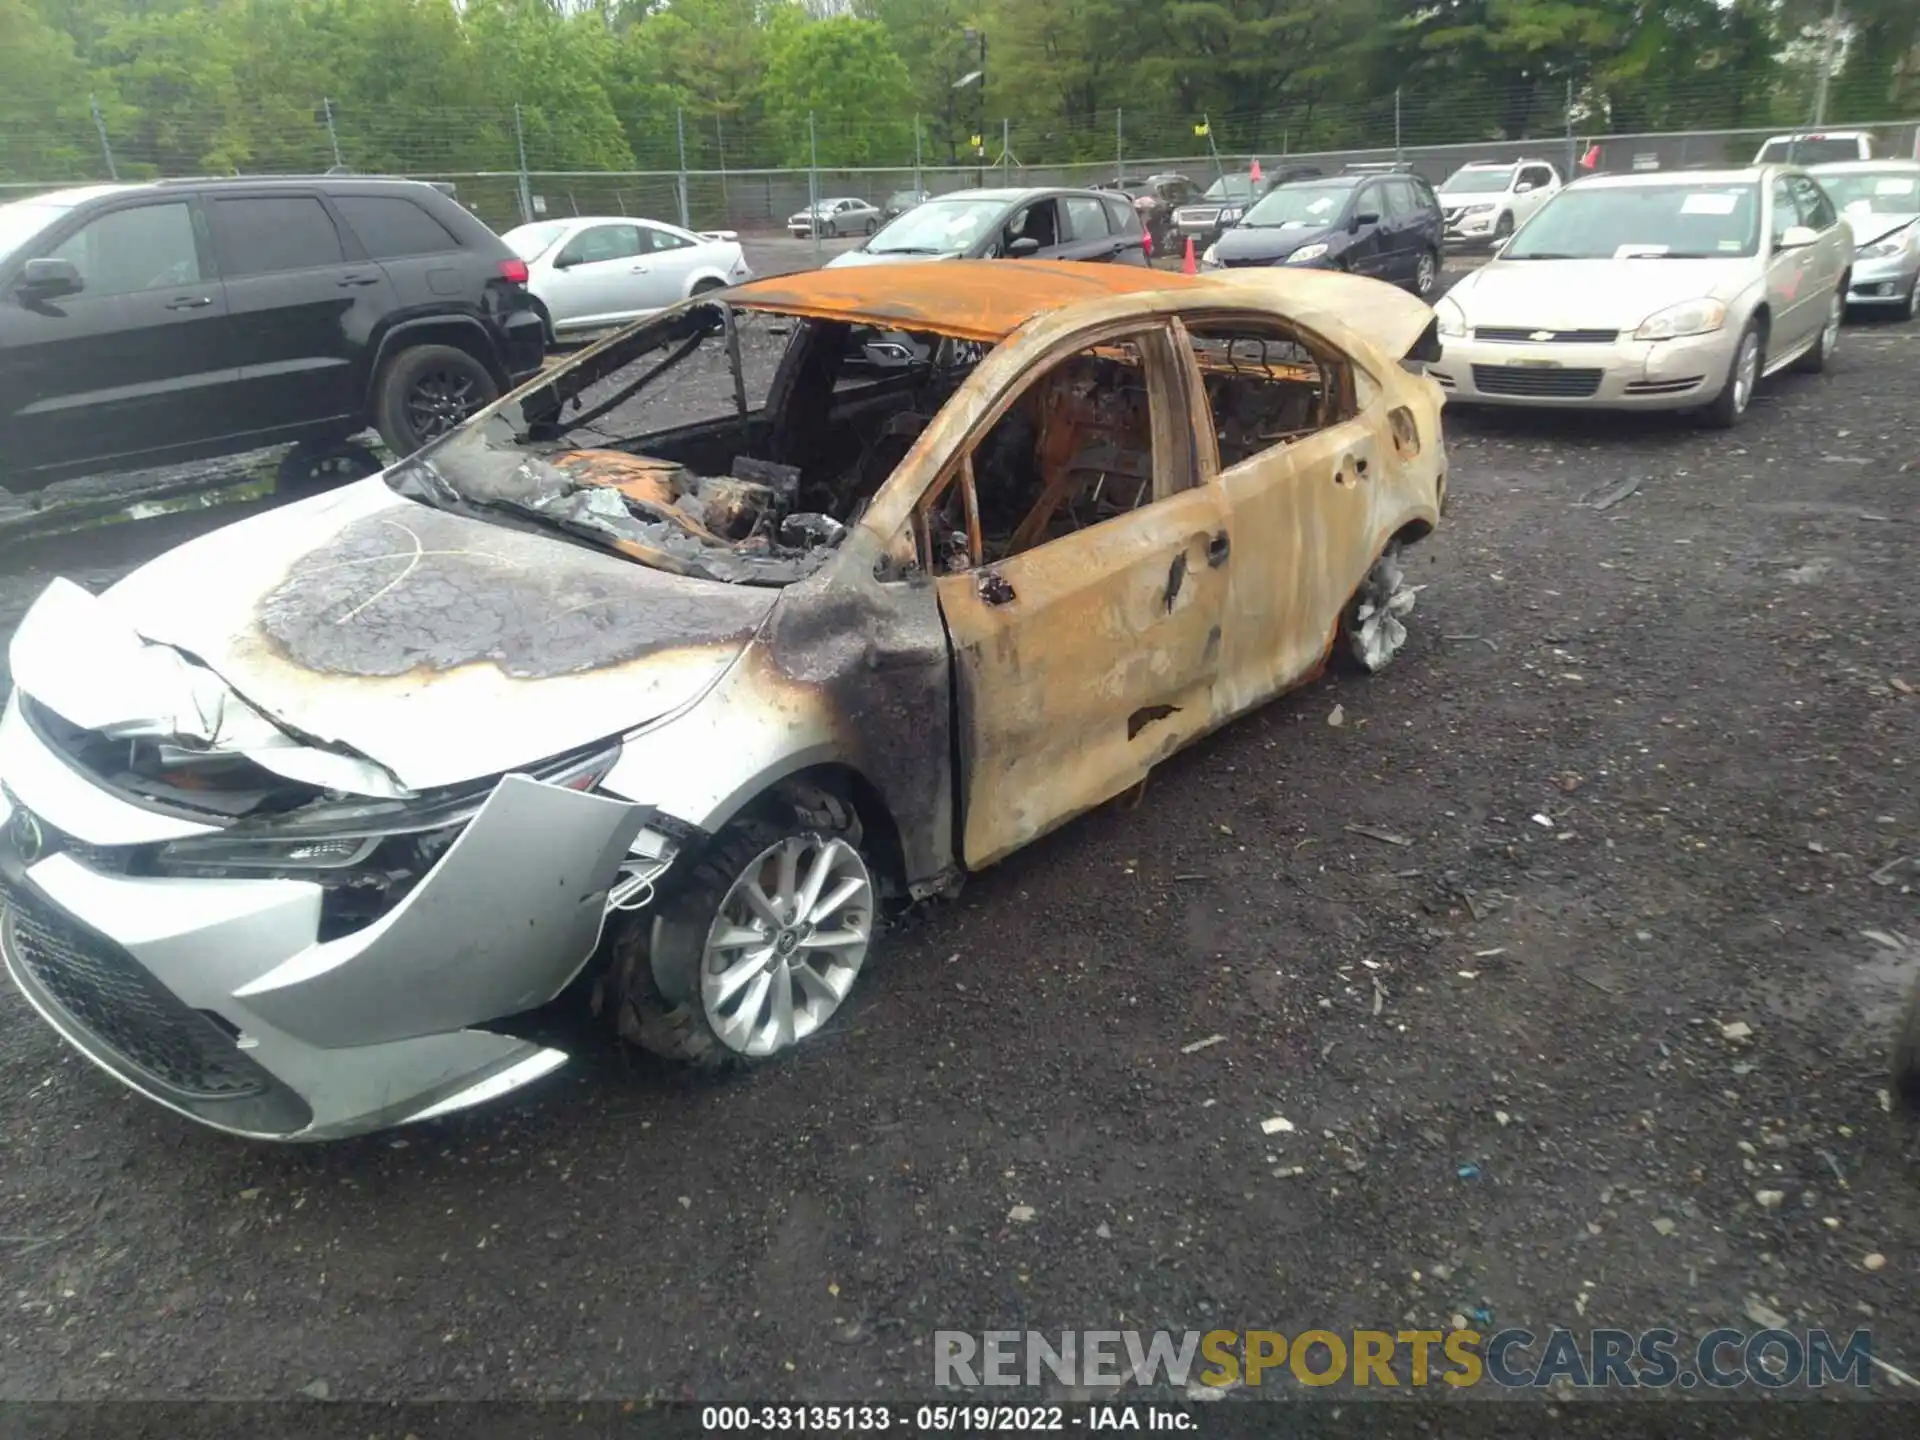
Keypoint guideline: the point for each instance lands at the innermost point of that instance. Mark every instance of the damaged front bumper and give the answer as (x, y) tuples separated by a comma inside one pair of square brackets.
[(219, 998)]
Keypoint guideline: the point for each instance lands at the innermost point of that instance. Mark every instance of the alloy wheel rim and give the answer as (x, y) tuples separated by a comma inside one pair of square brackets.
[(1424, 276), (787, 943), (1745, 373), (438, 402)]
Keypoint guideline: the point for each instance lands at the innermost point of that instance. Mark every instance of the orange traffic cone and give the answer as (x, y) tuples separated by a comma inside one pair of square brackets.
[(1187, 267)]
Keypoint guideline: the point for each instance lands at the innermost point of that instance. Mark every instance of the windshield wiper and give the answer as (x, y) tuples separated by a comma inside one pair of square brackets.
[(1550, 255), (908, 250)]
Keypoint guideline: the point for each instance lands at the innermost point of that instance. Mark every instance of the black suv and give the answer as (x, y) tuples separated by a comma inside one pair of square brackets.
[(1387, 226), (147, 324)]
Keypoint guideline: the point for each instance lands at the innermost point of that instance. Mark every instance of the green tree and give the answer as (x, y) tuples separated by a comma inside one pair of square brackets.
[(45, 129), (843, 73)]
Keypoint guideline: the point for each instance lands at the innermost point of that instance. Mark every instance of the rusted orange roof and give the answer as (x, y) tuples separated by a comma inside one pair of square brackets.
[(982, 300)]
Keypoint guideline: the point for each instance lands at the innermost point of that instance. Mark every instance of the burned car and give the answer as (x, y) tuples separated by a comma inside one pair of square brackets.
[(658, 704)]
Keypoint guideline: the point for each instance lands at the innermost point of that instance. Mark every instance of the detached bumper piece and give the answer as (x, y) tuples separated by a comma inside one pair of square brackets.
[(109, 1007)]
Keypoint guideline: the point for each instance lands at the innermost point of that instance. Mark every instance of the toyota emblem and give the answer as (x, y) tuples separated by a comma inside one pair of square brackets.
[(28, 839)]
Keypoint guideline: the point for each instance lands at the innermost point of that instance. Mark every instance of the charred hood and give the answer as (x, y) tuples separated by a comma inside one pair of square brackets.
[(440, 646)]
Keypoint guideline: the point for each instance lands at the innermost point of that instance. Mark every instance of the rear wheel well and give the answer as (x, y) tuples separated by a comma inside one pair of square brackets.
[(468, 338)]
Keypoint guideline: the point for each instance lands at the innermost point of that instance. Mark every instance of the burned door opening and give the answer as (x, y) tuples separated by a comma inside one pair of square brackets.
[(1071, 544)]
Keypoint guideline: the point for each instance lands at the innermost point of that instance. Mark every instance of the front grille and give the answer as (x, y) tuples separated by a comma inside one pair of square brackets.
[(108, 994), (1663, 387), (1555, 382), (1538, 335), (1239, 262)]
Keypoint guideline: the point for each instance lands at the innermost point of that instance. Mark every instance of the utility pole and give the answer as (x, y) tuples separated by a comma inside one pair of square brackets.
[(1119, 147), (1398, 154), (526, 185), (680, 128), (1826, 65), (333, 136), (918, 184), (106, 148), (813, 187)]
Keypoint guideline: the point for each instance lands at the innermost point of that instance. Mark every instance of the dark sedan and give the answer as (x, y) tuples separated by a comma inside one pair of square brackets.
[(1009, 224), (1385, 226)]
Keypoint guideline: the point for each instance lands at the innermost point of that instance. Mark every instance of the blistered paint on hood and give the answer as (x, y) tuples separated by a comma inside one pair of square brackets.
[(442, 647)]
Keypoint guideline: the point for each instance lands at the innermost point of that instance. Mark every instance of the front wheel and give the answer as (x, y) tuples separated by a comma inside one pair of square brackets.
[(1502, 230), (832, 230), (427, 391), (755, 951), (1743, 374), (1911, 311), (872, 226), (1820, 356)]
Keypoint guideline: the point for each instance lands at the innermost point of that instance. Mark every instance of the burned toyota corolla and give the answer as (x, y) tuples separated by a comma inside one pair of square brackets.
[(654, 687)]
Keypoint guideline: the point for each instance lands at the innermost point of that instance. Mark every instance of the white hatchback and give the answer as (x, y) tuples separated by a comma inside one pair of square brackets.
[(594, 271)]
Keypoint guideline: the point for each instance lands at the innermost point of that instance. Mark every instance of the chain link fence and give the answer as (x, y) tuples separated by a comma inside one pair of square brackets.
[(514, 163)]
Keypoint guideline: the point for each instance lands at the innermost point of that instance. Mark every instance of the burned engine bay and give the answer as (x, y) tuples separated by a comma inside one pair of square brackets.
[(652, 445)]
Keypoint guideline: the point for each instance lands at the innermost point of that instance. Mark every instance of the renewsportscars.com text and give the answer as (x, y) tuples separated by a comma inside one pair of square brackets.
[(1512, 1359)]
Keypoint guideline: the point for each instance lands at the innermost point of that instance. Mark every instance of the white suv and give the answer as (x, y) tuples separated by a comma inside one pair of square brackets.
[(1486, 201)]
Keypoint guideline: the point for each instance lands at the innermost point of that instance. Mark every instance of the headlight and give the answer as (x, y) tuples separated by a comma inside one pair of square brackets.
[(1689, 317), (1887, 248), (332, 836), (1306, 254), (1453, 320), (1211, 258), (1476, 210)]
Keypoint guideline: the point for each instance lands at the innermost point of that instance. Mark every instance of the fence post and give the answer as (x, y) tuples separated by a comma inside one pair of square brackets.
[(680, 129), (333, 136), (813, 187), (1826, 66), (526, 183), (106, 149), (720, 140), (918, 184), (1398, 154), (1119, 147), (1573, 158)]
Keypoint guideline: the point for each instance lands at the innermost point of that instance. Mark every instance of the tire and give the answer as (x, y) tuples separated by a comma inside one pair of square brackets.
[(1906, 1054), (307, 469), (1372, 630), (872, 226), (667, 976), (546, 322), (1426, 273), (1743, 375), (425, 391), (833, 230), (1817, 359), (1912, 310), (1502, 231)]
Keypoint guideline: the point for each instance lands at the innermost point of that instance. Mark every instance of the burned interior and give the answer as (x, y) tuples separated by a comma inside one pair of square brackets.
[(1077, 445), (808, 418)]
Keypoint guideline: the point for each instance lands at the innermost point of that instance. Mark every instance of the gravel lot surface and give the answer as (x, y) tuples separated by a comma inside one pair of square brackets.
[(1601, 1043)]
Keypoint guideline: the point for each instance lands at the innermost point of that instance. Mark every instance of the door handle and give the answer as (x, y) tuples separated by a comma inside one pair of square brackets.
[(346, 280), (1217, 550), (189, 302), (638, 270)]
